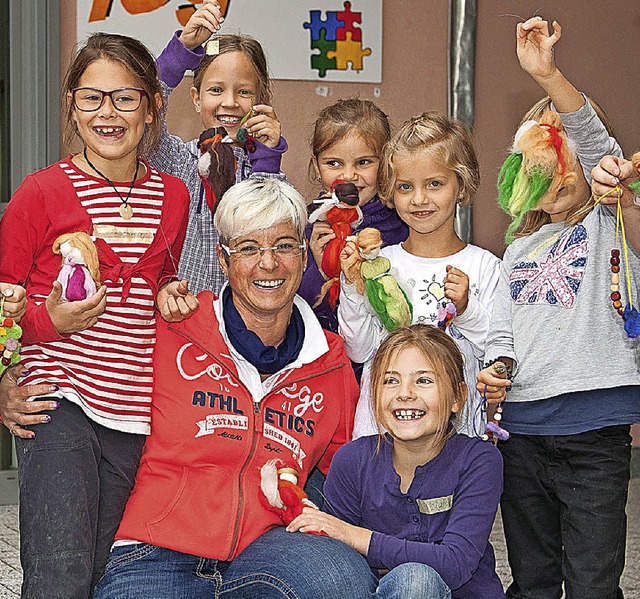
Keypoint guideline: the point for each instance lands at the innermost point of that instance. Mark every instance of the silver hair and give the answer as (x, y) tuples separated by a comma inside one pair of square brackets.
[(258, 204)]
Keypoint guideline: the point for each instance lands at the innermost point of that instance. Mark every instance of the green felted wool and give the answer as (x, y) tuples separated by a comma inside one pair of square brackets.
[(539, 184), (506, 179), (388, 300), (370, 269)]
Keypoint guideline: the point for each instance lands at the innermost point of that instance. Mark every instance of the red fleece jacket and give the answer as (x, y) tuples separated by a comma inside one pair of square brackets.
[(198, 485)]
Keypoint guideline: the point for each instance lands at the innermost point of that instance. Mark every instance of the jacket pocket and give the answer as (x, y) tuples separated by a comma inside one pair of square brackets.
[(174, 500), (201, 507)]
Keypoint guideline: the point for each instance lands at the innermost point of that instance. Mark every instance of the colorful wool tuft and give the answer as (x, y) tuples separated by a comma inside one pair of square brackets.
[(631, 322), (541, 163)]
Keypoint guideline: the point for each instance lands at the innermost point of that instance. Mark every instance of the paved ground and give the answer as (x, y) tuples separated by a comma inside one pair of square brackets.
[(10, 574)]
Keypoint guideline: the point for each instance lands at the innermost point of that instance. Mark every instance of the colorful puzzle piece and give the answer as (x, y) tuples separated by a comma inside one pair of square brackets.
[(348, 51), (338, 40), (349, 18), (321, 61), (330, 25)]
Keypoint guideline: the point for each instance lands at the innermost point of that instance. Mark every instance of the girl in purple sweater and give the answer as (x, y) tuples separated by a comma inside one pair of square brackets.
[(347, 142), (419, 500)]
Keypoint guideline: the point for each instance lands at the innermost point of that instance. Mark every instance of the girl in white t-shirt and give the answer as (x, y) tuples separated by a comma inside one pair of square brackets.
[(429, 168)]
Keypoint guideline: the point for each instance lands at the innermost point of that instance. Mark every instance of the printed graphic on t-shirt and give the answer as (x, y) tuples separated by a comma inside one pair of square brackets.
[(556, 278), (429, 297), (120, 235)]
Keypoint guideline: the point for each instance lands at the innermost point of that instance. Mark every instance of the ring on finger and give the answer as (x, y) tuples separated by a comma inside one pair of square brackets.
[(13, 426)]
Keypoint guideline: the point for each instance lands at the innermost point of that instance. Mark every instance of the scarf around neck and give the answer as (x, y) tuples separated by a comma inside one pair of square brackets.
[(266, 358)]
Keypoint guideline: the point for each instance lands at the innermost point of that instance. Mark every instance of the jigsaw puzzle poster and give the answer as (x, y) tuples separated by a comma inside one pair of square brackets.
[(318, 40)]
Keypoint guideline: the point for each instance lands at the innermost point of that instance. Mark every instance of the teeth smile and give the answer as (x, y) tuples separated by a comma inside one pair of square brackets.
[(269, 284), (108, 130), (229, 120), (408, 414)]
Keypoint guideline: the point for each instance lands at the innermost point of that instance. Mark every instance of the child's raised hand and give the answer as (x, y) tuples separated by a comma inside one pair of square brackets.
[(534, 46), (321, 234), (493, 382), (15, 300), (176, 302), (203, 23), (456, 288), (610, 171), (72, 317), (264, 125)]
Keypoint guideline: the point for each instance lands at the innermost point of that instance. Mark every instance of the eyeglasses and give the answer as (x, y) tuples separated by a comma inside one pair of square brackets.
[(282, 250), (124, 99)]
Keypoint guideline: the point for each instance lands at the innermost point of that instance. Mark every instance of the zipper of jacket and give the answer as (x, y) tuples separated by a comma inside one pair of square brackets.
[(236, 527), (256, 410)]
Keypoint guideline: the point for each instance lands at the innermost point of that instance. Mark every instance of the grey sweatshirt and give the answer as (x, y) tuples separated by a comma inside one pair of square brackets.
[(552, 309)]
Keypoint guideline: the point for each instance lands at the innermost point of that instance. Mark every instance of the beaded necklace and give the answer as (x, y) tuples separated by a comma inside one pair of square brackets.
[(629, 313), (493, 431)]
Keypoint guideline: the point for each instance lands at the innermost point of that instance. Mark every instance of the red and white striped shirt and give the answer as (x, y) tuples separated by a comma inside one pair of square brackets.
[(107, 368)]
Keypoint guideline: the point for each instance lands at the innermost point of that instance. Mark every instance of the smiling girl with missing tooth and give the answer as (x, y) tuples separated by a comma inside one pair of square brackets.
[(419, 500), (428, 169), (230, 81)]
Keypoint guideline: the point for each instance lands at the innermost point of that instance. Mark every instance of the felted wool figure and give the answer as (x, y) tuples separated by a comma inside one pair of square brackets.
[(540, 164), (342, 213), (446, 313), (216, 165), (279, 485), (386, 297), (80, 272)]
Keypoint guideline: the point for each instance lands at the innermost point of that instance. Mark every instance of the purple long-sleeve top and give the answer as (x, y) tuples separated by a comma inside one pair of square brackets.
[(444, 520), (374, 214)]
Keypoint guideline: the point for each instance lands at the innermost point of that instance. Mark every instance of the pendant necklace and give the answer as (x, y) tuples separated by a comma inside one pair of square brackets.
[(126, 211)]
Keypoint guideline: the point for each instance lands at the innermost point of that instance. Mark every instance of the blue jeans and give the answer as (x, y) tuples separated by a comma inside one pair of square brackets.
[(412, 580), (276, 565), (563, 510)]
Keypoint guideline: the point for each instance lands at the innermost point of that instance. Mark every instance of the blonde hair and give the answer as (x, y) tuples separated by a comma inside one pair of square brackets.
[(84, 243), (541, 106), (349, 117), (449, 138), (542, 162), (446, 360)]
